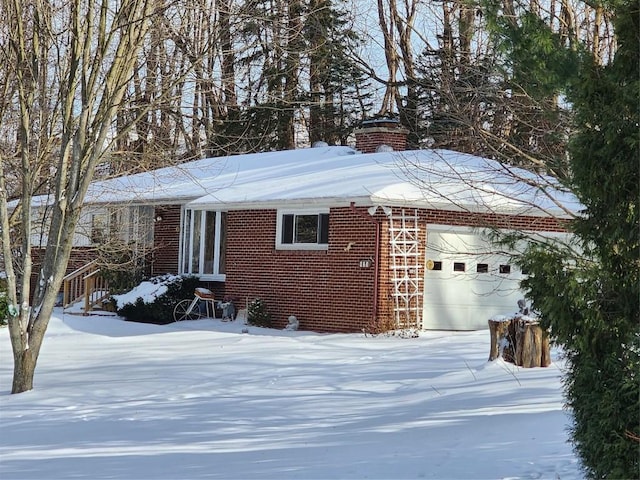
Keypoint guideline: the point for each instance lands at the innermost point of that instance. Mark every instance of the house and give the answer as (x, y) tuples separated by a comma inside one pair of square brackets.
[(344, 239)]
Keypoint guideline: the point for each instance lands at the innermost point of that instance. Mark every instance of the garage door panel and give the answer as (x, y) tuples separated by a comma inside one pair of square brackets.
[(466, 300)]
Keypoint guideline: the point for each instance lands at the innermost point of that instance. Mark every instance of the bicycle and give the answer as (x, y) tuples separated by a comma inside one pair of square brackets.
[(192, 309)]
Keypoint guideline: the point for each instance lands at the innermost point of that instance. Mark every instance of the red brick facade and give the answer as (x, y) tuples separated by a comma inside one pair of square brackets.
[(328, 290), (80, 256), (166, 239)]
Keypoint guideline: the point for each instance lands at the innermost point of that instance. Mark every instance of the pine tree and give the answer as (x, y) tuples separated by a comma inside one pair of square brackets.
[(592, 301), (336, 83), (538, 64)]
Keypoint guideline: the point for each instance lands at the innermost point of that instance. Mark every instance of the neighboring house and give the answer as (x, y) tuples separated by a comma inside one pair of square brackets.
[(341, 238)]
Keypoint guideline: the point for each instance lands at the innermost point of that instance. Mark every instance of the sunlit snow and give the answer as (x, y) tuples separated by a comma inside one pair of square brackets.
[(338, 175), (199, 399)]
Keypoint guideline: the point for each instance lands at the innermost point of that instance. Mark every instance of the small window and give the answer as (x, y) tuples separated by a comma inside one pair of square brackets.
[(303, 230), (482, 268), (505, 269), (525, 271), (459, 267), (437, 265)]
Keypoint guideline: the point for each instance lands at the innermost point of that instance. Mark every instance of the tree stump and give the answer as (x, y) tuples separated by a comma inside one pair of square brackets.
[(498, 327), (520, 340)]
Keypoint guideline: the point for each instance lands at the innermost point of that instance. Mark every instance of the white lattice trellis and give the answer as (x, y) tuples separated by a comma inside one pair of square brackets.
[(406, 269)]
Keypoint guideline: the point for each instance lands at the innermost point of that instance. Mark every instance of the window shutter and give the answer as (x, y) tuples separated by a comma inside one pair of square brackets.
[(323, 228), (287, 229)]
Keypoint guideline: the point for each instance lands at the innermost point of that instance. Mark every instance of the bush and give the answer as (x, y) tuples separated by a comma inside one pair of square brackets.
[(161, 309), (257, 314), (122, 267)]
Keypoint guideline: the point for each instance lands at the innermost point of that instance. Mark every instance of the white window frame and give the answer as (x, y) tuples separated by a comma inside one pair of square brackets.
[(298, 246), (187, 245)]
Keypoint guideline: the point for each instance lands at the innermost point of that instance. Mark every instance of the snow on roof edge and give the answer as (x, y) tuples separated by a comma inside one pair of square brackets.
[(337, 175)]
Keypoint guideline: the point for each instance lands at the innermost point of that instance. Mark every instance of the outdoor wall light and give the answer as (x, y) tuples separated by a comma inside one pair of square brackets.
[(372, 210)]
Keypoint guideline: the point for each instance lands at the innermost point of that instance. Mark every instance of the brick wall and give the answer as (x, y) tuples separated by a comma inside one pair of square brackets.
[(544, 224), (166, 240), (79, 257), (327, 290), (380, 132)]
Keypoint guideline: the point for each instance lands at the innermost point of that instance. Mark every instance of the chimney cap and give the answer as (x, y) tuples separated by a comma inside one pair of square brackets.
[(380, 122)]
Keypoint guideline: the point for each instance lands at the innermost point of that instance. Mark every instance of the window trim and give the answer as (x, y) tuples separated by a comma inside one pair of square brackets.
[(298, 246), (187, 223)]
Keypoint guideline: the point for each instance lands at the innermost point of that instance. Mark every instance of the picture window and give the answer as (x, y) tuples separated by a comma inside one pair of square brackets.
[(203, 243)]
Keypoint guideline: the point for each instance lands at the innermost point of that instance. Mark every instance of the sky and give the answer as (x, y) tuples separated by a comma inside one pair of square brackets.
[(203, 400)]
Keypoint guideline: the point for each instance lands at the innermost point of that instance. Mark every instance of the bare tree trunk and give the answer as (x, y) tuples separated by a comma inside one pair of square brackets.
[(228, 58), (317, 66), (391, 57), (292, 67), (90, 74), (24, 367)]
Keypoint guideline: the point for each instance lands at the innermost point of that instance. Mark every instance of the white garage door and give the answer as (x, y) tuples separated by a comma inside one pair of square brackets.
[(467, 281)]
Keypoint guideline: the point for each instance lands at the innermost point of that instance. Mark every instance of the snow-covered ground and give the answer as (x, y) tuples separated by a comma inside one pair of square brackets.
[(200, 399)]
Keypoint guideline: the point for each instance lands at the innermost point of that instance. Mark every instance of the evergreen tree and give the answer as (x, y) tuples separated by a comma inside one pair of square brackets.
[(337, 86), (281, 46), (537, 64), (591, 301)]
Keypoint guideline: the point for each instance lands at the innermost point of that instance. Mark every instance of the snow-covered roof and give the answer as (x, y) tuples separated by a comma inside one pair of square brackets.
[(340, 175)]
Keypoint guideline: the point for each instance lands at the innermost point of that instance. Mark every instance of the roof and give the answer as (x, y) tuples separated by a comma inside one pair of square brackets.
[(336, 175)]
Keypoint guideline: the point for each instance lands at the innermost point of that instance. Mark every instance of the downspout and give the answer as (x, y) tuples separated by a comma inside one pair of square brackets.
[(378, 225)]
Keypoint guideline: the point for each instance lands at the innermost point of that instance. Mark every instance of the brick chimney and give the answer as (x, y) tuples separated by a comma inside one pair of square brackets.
[(372, 134)]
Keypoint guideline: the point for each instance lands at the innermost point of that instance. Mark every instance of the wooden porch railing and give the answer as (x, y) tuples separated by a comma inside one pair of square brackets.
[(85, 284)]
